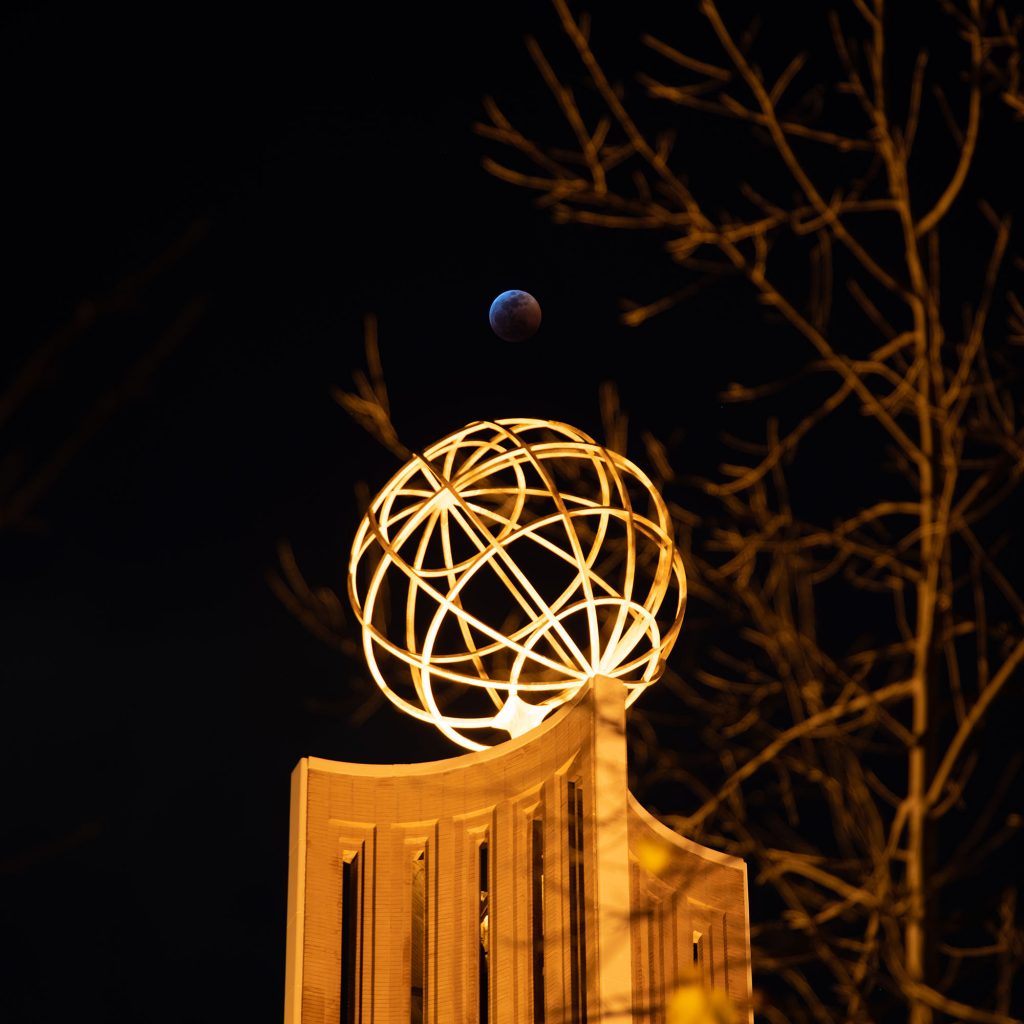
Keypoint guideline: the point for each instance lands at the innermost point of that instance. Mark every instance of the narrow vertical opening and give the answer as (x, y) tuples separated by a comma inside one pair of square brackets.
[(537, 891), (698, 954), (418, 973), (577, 908), (483, 980), (581, 895), (654, 972), (574, 950), (349, 938)]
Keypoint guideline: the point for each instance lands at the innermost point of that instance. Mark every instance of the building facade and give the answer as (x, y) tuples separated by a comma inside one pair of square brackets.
[(521, 884)]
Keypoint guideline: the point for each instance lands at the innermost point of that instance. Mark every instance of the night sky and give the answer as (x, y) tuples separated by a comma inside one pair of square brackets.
[(280, 180)]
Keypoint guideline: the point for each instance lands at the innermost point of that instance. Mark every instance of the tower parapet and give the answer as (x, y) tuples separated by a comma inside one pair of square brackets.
[(512, 885)]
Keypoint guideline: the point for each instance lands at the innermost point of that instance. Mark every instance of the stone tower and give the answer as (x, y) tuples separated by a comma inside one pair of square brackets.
[(522, 884)]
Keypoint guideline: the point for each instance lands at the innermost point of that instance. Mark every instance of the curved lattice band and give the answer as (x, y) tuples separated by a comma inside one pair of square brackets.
[(507, 564)]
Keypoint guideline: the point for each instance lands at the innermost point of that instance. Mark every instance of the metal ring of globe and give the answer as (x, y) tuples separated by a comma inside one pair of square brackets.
[(523, 564)]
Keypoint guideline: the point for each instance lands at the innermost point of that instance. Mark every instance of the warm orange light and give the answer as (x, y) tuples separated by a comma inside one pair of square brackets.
[(505, 566)]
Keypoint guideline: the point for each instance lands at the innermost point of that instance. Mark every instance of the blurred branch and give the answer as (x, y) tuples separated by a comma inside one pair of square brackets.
[(26, 485), (790, 723)]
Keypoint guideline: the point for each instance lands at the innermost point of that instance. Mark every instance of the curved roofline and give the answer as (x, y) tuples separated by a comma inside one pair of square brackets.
[(668, 835), (473, 758)]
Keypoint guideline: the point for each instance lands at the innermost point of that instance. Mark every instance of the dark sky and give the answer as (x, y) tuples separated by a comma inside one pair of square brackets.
[(156, 694)]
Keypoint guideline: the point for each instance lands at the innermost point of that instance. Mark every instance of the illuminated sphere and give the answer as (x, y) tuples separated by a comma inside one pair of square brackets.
[(506, 565)]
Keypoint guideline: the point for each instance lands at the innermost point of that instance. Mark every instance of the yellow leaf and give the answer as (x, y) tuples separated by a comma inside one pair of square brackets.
[(691, 1003), (654, 856)]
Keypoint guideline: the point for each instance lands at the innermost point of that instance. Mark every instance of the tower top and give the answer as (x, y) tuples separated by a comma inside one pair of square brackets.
[(504, 566)]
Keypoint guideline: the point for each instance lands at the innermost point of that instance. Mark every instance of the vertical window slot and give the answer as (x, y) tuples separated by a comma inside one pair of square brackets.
[(350, 918), (418, 957), (483, 979), (577, 908), (537, 894)]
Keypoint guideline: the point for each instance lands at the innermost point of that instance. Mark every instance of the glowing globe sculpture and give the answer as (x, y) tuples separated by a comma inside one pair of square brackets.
[(505, 566)]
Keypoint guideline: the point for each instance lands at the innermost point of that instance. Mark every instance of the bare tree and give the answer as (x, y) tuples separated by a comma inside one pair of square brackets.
[(849, 764)]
